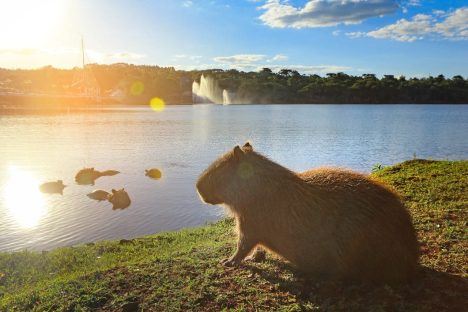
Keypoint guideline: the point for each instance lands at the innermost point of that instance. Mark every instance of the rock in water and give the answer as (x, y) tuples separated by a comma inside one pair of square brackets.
[(153, 173), (98, 195), (119, 199), (52, 187)]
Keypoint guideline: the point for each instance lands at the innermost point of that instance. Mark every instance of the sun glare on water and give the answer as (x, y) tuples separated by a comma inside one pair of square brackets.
[(23, 198)]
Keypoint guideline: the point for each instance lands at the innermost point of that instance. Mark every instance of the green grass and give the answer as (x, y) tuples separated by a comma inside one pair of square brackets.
[(180, 271)]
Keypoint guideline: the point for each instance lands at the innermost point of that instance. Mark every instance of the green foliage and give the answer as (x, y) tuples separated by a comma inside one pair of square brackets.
[(180, 271), (265, 86), (377, 167)]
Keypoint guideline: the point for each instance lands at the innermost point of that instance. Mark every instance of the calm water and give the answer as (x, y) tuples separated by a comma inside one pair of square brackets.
[(182, 141)]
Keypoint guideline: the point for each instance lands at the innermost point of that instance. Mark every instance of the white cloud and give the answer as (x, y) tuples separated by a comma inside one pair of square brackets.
[(452, 25), (413, 3), (409, 3), (356, 34), (304, 69), (240, 58), (21, 51), (188, 57), (438, 12), (92, 55), (255, 62), (404, 30), (310, 69), (187, 3), (322, 13), (125, 56), (278, 57), (455, 26)]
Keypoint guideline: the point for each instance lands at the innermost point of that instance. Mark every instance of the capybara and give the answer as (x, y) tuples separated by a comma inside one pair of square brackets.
[(119, 199), (87, 176), (52, 187), (153, 173), (330, 223), (99, 195)]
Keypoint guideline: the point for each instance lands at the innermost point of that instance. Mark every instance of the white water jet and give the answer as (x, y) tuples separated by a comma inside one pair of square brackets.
[(226, 97), (208, 91)]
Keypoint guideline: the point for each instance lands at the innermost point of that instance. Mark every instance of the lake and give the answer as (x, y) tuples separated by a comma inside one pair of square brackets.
[(182, 141)]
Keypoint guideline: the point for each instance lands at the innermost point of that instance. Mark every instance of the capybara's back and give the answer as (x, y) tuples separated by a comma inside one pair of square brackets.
[(329, 222)]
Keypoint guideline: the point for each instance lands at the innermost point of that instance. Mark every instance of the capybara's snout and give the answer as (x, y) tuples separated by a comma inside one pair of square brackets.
[(205, 193)]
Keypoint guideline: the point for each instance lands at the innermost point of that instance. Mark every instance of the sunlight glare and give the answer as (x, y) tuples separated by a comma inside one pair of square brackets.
[(23, 198), (28, 23), (157, 104), (137, 88)]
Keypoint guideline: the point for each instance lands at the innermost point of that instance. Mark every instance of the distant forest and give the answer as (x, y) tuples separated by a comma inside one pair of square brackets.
[(135, 84)]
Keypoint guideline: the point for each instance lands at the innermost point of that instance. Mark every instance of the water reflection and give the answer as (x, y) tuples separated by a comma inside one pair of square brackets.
[(25, 202)]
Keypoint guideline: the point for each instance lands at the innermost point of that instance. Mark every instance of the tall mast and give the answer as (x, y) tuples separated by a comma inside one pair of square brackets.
[(82, 52)]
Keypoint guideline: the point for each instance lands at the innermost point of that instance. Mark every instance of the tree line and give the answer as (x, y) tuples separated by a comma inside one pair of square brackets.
[(137, 84)]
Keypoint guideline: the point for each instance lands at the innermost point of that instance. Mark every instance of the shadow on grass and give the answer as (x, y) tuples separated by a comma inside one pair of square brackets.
[(430, 291)]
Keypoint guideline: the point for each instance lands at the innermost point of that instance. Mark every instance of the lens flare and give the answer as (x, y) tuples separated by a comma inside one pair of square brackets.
[(245, 170), (137, 88), (23, 198), (157, 104)]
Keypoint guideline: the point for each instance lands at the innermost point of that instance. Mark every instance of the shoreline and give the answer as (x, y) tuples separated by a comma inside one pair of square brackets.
[(179, 270)]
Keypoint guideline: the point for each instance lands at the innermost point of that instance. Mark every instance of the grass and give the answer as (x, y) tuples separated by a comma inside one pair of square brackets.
[(180, 271)]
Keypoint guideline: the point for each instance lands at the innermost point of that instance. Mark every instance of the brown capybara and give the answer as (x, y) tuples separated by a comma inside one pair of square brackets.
[(119, 199), (330, 223)]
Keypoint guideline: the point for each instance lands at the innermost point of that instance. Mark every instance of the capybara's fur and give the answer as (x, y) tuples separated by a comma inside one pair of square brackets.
[(119, 199), (331, 223)]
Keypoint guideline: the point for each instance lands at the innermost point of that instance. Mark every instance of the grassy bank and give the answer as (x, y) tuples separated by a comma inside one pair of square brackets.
[(180, 270)]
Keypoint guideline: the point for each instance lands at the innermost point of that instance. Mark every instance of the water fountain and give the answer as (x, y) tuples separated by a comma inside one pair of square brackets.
[(208, 91)]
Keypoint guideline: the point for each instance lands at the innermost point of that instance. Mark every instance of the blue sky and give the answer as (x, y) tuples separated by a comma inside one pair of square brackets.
[(407, 37)]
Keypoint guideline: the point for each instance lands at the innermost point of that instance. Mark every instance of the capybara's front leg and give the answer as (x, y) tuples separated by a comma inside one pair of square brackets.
[(244, 247)]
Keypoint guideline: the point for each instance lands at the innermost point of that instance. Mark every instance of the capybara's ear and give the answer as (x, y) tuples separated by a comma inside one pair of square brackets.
[(113, 191), (238, 153), (247, 147)]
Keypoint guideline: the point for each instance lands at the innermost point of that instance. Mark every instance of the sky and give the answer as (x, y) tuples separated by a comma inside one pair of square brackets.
[(414, 38)]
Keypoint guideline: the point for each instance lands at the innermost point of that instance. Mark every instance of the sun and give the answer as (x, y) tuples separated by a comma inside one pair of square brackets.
[(29, 23)]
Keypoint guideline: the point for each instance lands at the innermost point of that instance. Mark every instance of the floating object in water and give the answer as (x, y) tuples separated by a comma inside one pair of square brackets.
[(98, 195), (119, 199), (52, 187), (87, 176), (153, 173)]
